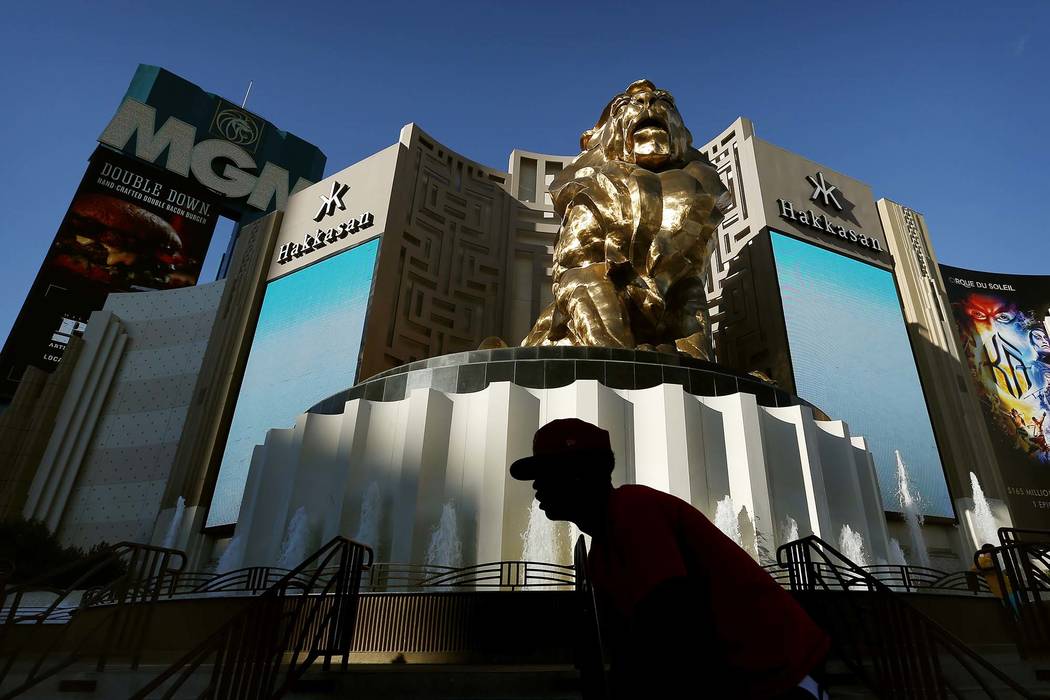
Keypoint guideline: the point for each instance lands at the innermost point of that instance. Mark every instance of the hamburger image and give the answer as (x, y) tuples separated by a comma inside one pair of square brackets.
[(120, 245)]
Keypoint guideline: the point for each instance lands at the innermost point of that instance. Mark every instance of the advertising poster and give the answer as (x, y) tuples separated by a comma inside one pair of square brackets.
[(1004, 341), (130, 227)]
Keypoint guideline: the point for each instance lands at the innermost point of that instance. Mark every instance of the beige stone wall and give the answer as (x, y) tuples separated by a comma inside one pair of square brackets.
[(146, 402), (732, 155), (534, 235), (217, 384), (109, 458), (462, 258), (961, 432), (26, 425)]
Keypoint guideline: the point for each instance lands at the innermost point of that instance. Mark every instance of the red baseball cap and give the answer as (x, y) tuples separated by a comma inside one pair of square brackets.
[(558, 442)]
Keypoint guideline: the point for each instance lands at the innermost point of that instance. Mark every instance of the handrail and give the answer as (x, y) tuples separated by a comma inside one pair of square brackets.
[(590, 648), (268, 645), (515, 575), (122, 627), (511, 574), (1027, 554), (906, 579), (1021, 565), (6, 569), (899, 651)]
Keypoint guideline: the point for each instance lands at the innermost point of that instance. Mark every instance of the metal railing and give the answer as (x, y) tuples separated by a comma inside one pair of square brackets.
[(1021, 566), (309, 614), (379, 577), (590, 648), (503, 575), (515, 576), (249, 581), (896, 649), (900, 578), (6, 569), (147, 570)]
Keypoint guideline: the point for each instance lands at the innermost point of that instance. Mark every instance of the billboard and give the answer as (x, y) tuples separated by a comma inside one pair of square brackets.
[(851, 356), (306, 347), (129, 227), (169, 138), (248, 162), (1004, 339)]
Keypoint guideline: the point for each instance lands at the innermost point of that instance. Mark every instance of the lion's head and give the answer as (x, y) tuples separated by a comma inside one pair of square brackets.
[(642, 126)]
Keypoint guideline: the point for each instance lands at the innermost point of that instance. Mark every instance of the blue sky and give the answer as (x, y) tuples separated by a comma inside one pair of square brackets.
[(940, 106), (851, 356)]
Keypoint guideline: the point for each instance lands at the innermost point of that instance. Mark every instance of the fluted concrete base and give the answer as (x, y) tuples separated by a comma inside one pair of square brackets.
[(432, 448)]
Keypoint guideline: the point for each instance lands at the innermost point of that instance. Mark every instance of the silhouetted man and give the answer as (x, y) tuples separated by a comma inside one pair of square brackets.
[(687, 612)]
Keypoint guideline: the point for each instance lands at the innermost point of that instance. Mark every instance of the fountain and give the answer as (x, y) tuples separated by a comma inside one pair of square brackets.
[(757, 539), (296, 541), (574, 534), (368, 528), (738, 525), (538, 541), (851, 544), (445, 548), (727, 521), (789, 533), (172, 536), (985, 529), (896, 553), (911, 504), (233, 555)]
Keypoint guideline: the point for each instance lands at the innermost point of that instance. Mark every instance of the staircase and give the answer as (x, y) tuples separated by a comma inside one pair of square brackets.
[(310, 633), (125, 605), (886, 643)]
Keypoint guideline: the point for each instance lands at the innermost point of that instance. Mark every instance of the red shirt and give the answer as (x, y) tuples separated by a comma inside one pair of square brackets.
[(763, 636)]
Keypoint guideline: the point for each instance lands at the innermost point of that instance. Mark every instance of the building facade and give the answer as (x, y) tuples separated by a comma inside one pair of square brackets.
[(949, 386), (418, 252)]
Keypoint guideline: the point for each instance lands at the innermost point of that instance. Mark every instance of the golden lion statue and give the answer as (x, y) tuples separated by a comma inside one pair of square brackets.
[(639, 210)]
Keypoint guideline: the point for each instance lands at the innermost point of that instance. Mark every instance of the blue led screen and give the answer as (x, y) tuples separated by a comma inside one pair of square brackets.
[(851, 357), (305, 349)]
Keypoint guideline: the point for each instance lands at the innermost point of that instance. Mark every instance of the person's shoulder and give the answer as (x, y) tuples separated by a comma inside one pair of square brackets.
[(638, 491), (638, 496)]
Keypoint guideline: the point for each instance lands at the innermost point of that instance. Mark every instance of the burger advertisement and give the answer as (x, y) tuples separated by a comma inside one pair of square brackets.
[(130, 227)]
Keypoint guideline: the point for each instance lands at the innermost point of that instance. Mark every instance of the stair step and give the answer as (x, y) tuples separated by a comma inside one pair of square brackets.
[(441, 682)]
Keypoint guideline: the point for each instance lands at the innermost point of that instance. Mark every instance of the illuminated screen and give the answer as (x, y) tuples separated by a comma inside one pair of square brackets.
[(305, 349), (852, 358)]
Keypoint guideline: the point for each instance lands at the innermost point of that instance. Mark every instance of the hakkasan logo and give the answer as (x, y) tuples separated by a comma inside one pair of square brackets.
[(824, 190), (237, 126), (822, 223), (331, 202), (324, 238)]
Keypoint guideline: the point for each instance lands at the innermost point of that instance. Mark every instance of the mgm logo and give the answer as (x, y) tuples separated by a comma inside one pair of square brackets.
[(237, 126)]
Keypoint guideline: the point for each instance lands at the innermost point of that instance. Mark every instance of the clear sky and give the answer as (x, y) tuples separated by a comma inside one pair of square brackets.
[(942, 106)]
